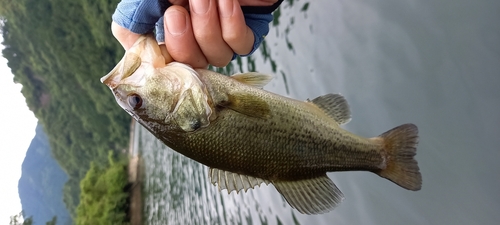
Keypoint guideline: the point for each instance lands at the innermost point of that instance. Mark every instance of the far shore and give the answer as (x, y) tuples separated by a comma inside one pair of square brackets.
[(134, 177)]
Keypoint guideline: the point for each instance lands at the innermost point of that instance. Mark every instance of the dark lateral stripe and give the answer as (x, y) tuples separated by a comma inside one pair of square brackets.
[(261, 9)]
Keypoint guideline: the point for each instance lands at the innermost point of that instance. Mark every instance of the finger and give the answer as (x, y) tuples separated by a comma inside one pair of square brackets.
[(207, 31), (235, 32), (179, 38), (126, 37)]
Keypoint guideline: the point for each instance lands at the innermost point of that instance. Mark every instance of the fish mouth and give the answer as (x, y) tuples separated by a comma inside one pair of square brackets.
[(111, 79), (126, 68)]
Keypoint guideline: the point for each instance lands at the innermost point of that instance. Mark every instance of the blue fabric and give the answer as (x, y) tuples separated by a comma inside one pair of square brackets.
[(145, 16), (259, 23), (160, 31), (139, 16)]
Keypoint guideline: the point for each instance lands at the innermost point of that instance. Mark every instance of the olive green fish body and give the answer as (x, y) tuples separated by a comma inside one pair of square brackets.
[(295, 140), (248, 136)]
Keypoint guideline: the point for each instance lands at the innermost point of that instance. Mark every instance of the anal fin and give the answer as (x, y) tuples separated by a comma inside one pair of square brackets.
[(312, 196), (233, 181)]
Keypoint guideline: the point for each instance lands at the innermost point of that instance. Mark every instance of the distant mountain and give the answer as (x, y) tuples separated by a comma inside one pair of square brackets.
[(41, 183), (60, 72)]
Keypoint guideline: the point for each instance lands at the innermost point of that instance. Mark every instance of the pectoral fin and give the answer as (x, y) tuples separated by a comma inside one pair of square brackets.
[(335, 106), (254, 79), (312, 196), (248, 104), (233, 181)]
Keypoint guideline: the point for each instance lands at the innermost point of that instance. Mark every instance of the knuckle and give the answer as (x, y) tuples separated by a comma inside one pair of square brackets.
[(232, 37)]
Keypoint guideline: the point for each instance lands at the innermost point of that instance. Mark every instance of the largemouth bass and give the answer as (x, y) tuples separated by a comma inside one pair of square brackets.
[(248, 136)]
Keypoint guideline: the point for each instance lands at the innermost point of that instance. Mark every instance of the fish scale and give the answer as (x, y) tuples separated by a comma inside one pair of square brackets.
[(248, 136), (273, 151)]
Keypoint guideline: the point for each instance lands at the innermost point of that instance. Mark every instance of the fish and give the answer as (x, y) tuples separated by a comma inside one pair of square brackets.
[(248, 136)]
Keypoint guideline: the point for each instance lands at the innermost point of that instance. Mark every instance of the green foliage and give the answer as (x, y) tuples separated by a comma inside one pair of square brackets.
[(103, 195), (16, 219), (52, 222), (58, 50)]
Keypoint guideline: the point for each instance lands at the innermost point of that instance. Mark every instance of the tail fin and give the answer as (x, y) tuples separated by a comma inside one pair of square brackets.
[(400, 144)]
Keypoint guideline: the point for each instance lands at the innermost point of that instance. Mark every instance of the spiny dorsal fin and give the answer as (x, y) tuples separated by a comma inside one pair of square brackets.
[(233, 181), (312, 196), (335, 106), (255, 79), (248, 104)]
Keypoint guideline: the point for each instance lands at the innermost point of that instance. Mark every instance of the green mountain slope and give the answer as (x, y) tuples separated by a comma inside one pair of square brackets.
[(58, 50)]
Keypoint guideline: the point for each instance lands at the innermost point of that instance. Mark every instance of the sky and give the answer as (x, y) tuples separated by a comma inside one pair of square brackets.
[(17, 128)]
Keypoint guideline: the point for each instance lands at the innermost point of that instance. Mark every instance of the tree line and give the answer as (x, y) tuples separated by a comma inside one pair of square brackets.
[(58, 50), (105, 194)]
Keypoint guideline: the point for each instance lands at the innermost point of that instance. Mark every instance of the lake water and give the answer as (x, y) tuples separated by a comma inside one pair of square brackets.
[(432, 63)]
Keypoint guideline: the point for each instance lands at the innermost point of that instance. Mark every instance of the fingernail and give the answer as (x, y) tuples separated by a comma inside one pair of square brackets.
[(200, 6), (226, 8), (176, 22)]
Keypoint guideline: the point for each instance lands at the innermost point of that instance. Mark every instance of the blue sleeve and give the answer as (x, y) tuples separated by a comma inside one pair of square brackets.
[(139, 16), (160, 31), (145, 16), (259, 23)]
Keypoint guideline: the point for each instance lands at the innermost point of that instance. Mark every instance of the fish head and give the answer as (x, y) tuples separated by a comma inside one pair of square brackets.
[(160, 96)]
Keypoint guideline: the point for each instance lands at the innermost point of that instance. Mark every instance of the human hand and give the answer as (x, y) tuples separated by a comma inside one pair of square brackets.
[(211, 33)]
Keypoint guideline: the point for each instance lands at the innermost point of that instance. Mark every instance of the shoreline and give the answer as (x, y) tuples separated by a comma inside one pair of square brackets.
[(134, 177)]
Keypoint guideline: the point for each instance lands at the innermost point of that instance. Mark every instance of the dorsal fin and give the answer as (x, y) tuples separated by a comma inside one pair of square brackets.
[(255, 79), (312, 196), (233, 181), (335, 106)]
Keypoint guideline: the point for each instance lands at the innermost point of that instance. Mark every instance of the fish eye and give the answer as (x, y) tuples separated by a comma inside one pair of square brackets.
[(135, 101)]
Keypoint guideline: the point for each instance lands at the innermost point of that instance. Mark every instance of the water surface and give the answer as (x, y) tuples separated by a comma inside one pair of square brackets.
[(432, 63)]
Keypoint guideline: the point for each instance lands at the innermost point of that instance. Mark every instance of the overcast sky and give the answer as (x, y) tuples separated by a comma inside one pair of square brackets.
[(17, 128)]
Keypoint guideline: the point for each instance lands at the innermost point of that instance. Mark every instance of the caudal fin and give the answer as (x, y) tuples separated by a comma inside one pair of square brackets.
[(400, 144)]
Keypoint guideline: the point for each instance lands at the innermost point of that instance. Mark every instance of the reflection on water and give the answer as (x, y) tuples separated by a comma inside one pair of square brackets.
[(432, 63)]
